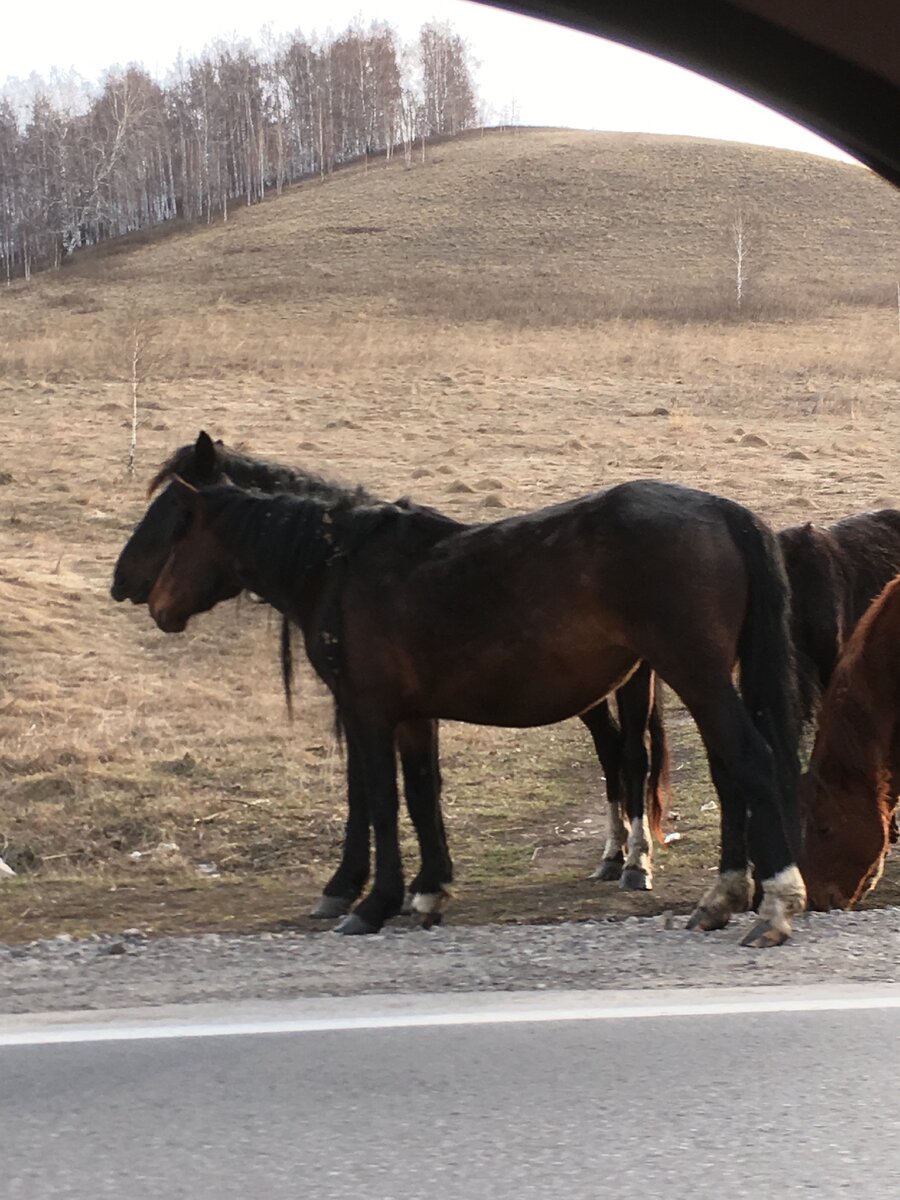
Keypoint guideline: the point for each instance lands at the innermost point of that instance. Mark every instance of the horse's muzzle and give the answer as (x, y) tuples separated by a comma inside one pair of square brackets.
[(169, 622), (123, 590)]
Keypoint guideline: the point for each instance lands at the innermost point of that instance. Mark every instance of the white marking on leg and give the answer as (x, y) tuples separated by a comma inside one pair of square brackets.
[(784, 895), (617, 835), (432, 902), (639, 844), (732, 892), (637, 874)]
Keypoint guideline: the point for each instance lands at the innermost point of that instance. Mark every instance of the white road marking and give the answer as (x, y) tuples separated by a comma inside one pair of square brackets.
[(414, 1012)]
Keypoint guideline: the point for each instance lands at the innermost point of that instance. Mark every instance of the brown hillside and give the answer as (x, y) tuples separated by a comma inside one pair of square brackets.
[(525, 317), (535, 230)]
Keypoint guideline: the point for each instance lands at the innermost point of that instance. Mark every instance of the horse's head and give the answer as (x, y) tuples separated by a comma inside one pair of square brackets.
[(146, 551), (845, 841), (198, 572)]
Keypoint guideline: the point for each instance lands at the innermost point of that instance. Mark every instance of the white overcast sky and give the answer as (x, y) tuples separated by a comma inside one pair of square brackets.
[(555, 76)]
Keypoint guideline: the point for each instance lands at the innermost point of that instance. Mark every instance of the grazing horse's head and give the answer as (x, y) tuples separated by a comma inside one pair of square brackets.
[(146, 551), (846, 837), (198, 573)]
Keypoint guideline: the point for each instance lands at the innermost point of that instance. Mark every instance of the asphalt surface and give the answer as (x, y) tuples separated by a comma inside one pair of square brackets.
[(581, 1095)]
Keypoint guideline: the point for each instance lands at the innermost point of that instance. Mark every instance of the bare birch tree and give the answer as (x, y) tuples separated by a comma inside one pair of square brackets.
[(747, 252), (141, 335), (740, 249)]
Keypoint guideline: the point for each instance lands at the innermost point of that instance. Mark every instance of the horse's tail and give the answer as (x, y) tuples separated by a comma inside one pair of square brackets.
[(658, 783), (287, 666), (812, 562), (768, 675)]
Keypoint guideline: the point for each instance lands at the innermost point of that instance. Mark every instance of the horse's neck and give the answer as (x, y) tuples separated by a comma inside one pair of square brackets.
[(857, 726), (877, 668), (286, 574)]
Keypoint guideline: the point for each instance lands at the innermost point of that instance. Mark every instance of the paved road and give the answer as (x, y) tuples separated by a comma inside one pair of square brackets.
[(676, 1095)]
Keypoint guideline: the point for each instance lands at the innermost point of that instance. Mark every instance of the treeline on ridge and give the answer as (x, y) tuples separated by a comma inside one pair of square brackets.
[(79, 166)]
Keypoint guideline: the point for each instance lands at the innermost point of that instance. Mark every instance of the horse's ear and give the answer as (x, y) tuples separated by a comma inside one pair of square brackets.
[(186, 494), (205, 453)]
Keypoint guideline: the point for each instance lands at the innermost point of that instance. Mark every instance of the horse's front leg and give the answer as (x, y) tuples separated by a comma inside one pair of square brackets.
[(417, 745), (372, 747), (608, 747), (346, 885)]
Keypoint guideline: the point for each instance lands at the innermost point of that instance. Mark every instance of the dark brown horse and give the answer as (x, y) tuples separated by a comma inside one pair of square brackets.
[(407, 618), (835, 572), (634, 755), (849, 794)]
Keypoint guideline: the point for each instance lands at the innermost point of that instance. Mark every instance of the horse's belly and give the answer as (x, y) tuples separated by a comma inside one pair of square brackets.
[(523, 694)]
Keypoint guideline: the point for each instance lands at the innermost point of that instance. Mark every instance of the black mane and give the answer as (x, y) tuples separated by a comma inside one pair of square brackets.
[(255, 473), (291, 539)]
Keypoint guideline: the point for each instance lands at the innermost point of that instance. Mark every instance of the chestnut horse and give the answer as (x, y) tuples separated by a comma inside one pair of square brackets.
[(630, 765), (849, 794), (409, 618)]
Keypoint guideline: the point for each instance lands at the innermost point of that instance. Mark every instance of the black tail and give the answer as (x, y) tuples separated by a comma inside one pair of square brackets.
[(812, 559), (287, 666), (766, 654)]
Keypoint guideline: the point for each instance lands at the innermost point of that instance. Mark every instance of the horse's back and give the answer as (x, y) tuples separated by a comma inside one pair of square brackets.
[(870, 547)]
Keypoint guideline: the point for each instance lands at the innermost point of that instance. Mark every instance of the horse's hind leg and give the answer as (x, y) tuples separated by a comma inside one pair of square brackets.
[(347, 883), (430, 890), (743, 771), (635, 702), (608, 746), (735, 753)]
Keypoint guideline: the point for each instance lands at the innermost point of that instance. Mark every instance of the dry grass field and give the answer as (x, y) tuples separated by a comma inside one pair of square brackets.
[(525, 317)]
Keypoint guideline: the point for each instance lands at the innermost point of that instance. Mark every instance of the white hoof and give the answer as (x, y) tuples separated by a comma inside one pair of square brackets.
[(784, 895)]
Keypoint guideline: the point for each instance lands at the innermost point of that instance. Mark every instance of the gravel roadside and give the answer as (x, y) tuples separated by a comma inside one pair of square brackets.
[(107, 972)]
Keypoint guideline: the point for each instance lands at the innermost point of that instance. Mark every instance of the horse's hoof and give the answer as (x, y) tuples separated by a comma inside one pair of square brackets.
[(329, 908), (608, 871), (705, 921), (430, 920), (636, 879), (763, 935), (354, 924)]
